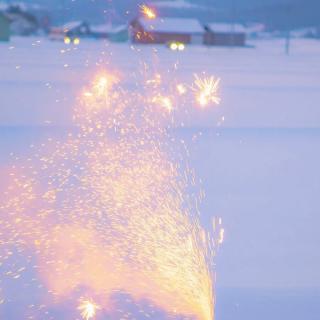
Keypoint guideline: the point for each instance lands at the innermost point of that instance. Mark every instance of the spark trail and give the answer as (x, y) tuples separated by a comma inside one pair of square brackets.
[(108, 210), (88, 309), (148, 12)]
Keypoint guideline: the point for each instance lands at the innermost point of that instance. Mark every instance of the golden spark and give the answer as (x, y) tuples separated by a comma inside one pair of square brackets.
[(181, 89), (163, 102), (148, 12), (206, 90), (103, 83), (88, 309), (108, 207)]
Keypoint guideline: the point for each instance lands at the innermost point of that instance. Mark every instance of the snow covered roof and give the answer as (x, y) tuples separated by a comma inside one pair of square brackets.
[(172, 25), (72, 25), (305, 32), (177, 4), (226, 27), (107, 28)]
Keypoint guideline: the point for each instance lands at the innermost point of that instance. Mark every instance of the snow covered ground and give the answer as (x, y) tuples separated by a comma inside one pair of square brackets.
[(261, 87), (258, 153)]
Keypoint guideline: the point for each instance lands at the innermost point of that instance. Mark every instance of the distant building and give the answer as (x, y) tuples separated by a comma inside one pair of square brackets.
[(164, 30), (77, 28), (26, 19), (224, 34), (113, 33), (307, 32), (4, 27), (255, 30), (22, 22), (74, 29)]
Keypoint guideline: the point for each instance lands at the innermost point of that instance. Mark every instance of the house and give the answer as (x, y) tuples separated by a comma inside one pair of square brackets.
[(74, 29), (255, 30), (77, 29), (113, 33), (26, 19), (225, 34), (4, 27), (22, 22), (165, 30)]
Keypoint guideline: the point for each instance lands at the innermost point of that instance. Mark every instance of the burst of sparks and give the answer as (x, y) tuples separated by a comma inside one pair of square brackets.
[(163, 102), (206, 90), (88, 309), (148, 12), (108, 210), (181, 89), (167, 103), (155, 81), (103, 83)]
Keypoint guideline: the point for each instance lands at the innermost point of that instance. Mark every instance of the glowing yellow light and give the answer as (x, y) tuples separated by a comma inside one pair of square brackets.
[(167, 103), (67, 40), (181, 46), (163, 102), (181, 89), (88, 94), (103, 84), (148, 12), (76, 41), (173, 46), (206, 90), (88, 309), (103, 81)]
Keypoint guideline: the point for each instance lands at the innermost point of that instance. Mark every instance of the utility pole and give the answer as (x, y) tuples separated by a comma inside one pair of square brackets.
[(288, 42), (288, 32), (233, 21)]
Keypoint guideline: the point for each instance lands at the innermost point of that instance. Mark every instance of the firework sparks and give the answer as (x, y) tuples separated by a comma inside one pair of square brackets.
[(163, 102), (221, 236), (155, 81), (181, 89), (167, 103), (104, 83), (88, 309), (148, 12), (206, 90), (110, 210)]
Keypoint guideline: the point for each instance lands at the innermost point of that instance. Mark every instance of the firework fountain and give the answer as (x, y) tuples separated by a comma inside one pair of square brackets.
[(109, 210)]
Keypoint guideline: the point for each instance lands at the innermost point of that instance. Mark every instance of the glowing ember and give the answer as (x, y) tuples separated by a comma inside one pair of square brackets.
[(221, 236), (181, 89), (108, 210), (148, 12), (206, 90), (103, 83), (163, 102), (88, 309)]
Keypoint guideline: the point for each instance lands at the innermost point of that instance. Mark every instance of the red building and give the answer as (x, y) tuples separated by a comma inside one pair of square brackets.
[(165, 30), (224, 34)]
